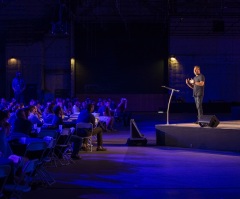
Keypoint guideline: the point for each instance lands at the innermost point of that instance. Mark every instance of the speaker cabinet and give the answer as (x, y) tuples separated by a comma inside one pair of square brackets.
[(136, 137), (137, 142), (208, 120)]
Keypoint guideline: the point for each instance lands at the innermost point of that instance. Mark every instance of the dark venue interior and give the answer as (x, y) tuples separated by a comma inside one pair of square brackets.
[(133, 52), (121, 55)]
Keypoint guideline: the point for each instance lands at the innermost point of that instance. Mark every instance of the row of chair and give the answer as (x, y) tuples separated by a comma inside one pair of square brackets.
[(24, 176), (59, 145), (52, 150)]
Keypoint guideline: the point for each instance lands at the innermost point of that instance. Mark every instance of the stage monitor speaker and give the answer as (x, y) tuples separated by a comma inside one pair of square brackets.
[(208, 120), (136, 137), (134, 131)]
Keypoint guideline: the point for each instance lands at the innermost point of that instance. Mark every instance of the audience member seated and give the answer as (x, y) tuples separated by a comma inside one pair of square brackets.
[(83, 106), (87, 117), (98, 104), (11, 104), (4, 131), (6, 124), (38, 107), (60, 102), (3, 104), (48, 113), (76, 107), (13, 116), (76, 140), (67, 107), (22, 124), (122, 113), (33, 116), (105, 115), (7, 157), (112, 106)]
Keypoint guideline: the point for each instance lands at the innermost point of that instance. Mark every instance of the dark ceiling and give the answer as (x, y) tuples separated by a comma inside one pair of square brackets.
[(30, 20), (25, 20)]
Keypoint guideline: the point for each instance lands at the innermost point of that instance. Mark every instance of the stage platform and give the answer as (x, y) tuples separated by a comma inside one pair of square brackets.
[(224, 137)]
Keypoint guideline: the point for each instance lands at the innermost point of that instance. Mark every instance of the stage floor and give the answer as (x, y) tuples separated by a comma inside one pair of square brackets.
[(234, 124), (224, 137)]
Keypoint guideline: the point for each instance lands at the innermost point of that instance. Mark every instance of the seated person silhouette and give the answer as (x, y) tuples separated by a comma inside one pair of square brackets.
[(87, 117), (122, 113), (76, 140)]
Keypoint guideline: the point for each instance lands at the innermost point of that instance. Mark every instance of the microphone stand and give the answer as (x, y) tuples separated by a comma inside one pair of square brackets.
[(169, 101)]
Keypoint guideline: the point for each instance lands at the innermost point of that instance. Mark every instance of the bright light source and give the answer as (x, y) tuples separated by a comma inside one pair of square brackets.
[(12, 61), (172, 58), (72, 61)]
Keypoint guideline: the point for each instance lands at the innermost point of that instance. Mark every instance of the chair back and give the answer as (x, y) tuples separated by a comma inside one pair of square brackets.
[(22, 182), (64, 139), (35, 150), (84, 129), (4, 173), (36, 146), (84, 125), (63, 143), (50, 136), (30, 167), (47, 132), (16, 136)]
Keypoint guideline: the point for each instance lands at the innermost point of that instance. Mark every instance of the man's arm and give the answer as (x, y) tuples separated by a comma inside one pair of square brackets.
[(189, 84), (201, 83), (92, 120)]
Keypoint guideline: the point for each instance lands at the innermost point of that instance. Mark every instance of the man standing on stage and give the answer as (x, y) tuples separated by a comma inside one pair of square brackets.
[(197, 84)]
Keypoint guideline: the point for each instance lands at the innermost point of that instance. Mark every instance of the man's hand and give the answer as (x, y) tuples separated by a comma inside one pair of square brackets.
[(190, 85), (191, 81)]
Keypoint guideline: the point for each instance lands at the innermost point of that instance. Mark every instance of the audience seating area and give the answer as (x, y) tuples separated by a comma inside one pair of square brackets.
[(46, 145)]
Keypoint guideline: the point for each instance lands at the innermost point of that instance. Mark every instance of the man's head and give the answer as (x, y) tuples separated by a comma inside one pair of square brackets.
[(57, 110), (20, 113), (196, 70), (90, 107), (32, 109)]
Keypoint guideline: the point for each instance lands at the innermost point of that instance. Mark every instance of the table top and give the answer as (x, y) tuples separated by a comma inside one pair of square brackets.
[(5, 161), (28, 140)]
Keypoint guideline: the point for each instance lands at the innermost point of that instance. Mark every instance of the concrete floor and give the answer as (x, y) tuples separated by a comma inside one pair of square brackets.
[(125, 172)]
